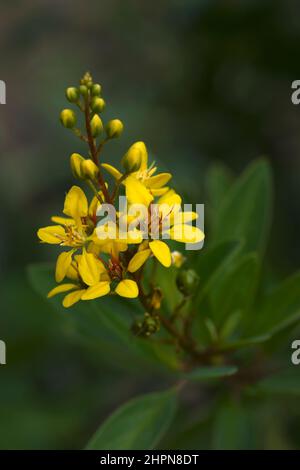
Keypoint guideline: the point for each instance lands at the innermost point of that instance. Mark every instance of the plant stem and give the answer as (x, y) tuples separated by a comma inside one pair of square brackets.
[(93, 149)]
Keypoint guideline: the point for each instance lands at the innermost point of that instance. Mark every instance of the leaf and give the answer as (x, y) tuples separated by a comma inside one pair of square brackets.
[(139, 424), (235, 290), (213, 372), (245, 212), (279, 309), (105, 321), (286, 383), (233, 429), (215, 262), (218, 182)]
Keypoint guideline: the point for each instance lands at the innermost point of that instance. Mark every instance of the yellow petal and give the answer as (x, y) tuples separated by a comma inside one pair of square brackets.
[(136, 192), (179, 217), (63, 221), (95, 205), (162, 252), (127, 288), (72, 298), (90, 268), (156, 182), (54, 234), (63, 263), (160, 191), (98, 290), (144, 154), (186, 234), (171, 198), (61, 288), (138, 260), (72, 272), (112, 170), (76, 204)]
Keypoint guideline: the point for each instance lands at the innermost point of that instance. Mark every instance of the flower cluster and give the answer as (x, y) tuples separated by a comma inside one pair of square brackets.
[(99, 255)]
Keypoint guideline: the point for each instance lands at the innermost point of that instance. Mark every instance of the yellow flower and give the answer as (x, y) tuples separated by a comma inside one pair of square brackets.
[(91, 279), (167, 221), (152, 184), (73, 230)]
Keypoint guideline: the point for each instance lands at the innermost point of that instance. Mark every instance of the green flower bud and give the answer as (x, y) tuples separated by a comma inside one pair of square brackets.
[(68, 118), (98, 104), (187, 282), (96, 125), (75, 162), (132, 159), (147, 327), (114, 128), (89, 169), (96, 89), (86, 79), (72, 94), (83, 90)]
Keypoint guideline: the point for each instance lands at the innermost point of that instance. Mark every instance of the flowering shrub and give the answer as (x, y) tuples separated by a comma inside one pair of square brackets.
[(212, 317)]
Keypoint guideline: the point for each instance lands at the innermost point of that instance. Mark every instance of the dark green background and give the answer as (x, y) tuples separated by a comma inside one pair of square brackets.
[(198, 81)]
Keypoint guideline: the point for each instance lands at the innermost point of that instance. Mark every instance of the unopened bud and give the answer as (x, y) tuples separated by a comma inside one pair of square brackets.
[(89, 169), (96, 89), (156, 298), (114, 128), (132, 159), (83, 90), (96, 125), (98, 104), (187, 282), (68, 118), (75, 162), (147, 327), (72, 94), (177, 259)]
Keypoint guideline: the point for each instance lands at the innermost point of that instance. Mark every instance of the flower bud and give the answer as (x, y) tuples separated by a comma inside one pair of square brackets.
[(177, 259), (132, 159), (98, 104), (96, 125), (96, 89), (147, 327), (72, 94), (68, 118), (75, 162), (83, 90), (156, 298), (187, 282), (89, 169), (114, 128)]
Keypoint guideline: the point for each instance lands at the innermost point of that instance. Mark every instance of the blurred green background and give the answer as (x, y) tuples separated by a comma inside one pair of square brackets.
[(198, 81)]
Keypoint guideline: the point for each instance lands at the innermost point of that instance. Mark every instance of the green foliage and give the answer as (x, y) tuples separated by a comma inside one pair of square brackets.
[(237, 321), (245, 211), (208, 373), (139, 424)]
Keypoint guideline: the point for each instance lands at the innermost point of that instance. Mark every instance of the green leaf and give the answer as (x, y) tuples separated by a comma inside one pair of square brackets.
[(105, 321), (213, 372), (236, 290), (139, 424), (215, 262), (218, 182), (286, 383), (279, 309), (245, 212), (233, 429)]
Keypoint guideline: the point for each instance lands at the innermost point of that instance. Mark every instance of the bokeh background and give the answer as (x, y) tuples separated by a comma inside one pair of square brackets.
[(199, 81)]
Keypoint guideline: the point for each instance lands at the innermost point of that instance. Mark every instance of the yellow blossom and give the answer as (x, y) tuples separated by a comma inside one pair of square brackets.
[(153, 184), (91, 279)]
